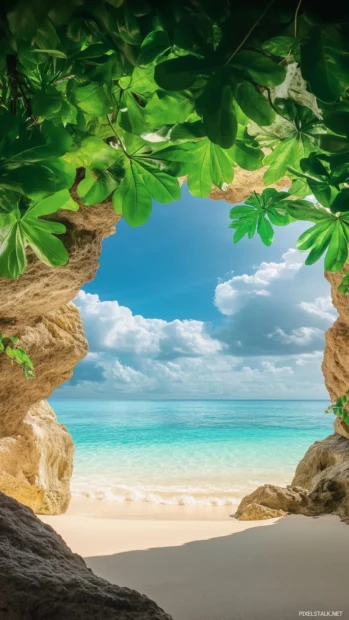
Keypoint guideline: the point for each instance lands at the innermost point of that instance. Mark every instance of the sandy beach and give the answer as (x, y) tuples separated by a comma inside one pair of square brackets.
[(202, 564)]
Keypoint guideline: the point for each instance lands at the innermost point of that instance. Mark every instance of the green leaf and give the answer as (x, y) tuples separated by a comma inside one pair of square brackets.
[(288, 150), (337, 252), (179, 73), (260, 211), (154, 44), (247, 155), (102, 177), (92, 99), (133, 199), (167, 108), (253, 104), (161, 186), (279, 45), (53, 53), (306, 211), (131, 114), (341, 202), (336, 117), (259, 68), (216, 107), (265, 230), (325, 61), (20, 230)]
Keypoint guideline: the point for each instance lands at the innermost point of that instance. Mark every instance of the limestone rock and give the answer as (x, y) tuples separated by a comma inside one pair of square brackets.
[(244, 183), (276, 501), (324, 471), (36, 452), (257, 512), (36, 308), (335, 366), (41, 579), (56, 343), (341, 428), (36, 463)]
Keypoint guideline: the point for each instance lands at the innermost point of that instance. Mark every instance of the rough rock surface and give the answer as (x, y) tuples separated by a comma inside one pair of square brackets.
[(35, 451), (41, 579), (335, 366), (245, 182), (36, 461), (341, 428), (320, 485), (271, 501), (258, 512)]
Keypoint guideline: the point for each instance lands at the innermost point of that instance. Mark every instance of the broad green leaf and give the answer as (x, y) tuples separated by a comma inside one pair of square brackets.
[(102, 177), (341, 202), (161, 186), (259, 68), (131, 114), (289, 149), (132, 198), (167, 108), (337, 252), (325, 61), (306, 211), (45, 143), (221, 166), (253, 104), (92, 99), (20, 230), (336, 117), (246, 155), (154, 44), (265, 230), (279, 45), (49, 205), (216, 106), (179, 73)]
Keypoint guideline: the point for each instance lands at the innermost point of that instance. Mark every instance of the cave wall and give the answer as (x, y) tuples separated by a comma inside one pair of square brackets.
[(36, 452)]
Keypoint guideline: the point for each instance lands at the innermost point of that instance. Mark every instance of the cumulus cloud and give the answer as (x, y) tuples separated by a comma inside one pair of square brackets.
[(227, 292), (299, 336), (112, 327), (322, 307), (132, 356), (273, 310)]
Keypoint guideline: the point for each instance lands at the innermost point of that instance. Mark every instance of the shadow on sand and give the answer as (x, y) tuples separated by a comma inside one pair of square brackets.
[(264, 573)]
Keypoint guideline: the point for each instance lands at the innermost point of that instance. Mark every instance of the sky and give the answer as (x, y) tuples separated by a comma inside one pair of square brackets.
[(178, 311)]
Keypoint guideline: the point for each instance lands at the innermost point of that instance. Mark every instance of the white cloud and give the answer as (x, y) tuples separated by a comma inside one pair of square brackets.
[(304, 359), (322, 307), (227, 293), (299, 336), (114, 327), (132, 356)]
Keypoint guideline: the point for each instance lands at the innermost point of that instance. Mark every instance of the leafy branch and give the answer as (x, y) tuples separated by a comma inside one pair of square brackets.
[(9, 347)]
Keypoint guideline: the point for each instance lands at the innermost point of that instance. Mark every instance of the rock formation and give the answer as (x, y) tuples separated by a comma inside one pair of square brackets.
[(321, 482), (245, 182), (35, 451), (41, 578)]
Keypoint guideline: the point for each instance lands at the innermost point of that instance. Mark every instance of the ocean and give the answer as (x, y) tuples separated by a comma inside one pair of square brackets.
[(198, 453)]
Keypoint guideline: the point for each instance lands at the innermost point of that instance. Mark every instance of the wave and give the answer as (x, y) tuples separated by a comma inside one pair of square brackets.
[(167, 498)]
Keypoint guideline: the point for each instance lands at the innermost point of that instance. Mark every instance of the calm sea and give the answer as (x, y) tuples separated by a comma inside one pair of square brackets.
[(187, 452)]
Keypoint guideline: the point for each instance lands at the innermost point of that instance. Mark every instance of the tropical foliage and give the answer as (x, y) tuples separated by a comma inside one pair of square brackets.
[(9, 347), (138, 94)]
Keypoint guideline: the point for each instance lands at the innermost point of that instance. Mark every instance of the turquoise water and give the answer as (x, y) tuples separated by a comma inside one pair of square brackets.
[(187, 452)]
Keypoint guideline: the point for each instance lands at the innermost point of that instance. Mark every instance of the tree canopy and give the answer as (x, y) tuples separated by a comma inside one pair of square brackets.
[(139, 93)]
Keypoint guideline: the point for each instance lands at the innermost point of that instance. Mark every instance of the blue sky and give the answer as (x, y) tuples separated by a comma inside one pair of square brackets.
[(178, 310)]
